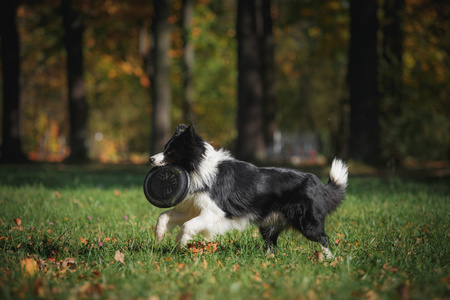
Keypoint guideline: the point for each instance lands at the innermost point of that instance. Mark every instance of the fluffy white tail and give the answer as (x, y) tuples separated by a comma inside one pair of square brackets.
[(336, 184), (339, 172)]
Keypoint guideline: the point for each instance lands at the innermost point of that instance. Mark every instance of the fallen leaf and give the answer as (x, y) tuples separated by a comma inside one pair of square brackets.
[(371, 295), (212, 247), (186, 296), (180, 266), (18, 221), (29, 266), (96, 273), (68, 263), (205, 264), (403, 291), (119, 256), (86, 290), (319, 256), (334, 263), (256, 277), (219, 263), (39, 288), (57, 194)]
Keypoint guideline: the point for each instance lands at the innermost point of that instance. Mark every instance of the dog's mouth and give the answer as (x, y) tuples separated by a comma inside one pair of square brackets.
[(158, 160)]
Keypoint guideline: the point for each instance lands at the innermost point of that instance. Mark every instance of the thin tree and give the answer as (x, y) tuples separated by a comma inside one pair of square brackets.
[(11, 148), (362, 81), (188, 61), (393, 45), (391, 74), (268, 46), (78, 107), (250, 30), (159, 74)]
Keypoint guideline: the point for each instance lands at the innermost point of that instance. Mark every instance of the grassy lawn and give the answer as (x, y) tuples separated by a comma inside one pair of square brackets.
[(69, 232)]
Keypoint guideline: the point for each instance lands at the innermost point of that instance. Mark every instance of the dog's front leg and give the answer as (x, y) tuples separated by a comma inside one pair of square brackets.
[(161, 225), (167, 221)]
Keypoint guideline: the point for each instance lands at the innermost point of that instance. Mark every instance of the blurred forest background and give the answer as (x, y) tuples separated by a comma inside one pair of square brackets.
[(298, 81)]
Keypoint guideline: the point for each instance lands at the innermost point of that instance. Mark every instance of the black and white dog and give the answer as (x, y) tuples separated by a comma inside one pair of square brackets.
[(226, 194)]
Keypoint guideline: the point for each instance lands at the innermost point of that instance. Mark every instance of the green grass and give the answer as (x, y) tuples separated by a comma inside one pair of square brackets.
[(391, 241)]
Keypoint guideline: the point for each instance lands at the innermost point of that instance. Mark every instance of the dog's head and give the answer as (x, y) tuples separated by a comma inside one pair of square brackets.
[(184, 148)]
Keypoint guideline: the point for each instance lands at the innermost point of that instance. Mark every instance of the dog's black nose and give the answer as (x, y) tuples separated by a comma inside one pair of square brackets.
[(151, 160)]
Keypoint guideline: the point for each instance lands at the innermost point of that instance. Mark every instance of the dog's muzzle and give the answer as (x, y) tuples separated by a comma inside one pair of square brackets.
[(157, 160)]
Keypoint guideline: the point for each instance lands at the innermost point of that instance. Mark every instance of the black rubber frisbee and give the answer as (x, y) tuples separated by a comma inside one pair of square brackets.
[(166, 186)]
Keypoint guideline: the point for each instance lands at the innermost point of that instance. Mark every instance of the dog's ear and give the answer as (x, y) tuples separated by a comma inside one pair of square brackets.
[(189, 133), (180, 129), (192, 128)]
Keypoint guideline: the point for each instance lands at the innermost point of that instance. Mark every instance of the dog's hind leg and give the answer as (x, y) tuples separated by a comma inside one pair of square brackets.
[(193, 227), (315, 231), (270, 236)]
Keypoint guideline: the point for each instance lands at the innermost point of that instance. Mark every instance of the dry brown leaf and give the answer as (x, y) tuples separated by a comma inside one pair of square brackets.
[(371, 295), (86, 290), (219, 263), (39, 288), (96, 273), (68, 263), (319, 256), (18, 221), (119, 256), (29, 266), (180, 266), (256, 277)]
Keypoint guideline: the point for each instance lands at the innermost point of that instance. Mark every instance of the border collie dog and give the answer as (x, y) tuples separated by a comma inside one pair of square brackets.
[(226, 193)]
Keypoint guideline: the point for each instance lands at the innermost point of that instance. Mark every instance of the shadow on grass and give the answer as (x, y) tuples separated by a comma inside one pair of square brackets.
[(60, 175), (132, 176)]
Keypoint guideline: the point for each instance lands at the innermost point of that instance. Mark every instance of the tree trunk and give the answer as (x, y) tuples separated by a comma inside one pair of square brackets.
[(268, 45), (188, 62), (160, 79), (362, 80), (391, 75), (393, 45), (11, 148), (78, 107), (250, 142)]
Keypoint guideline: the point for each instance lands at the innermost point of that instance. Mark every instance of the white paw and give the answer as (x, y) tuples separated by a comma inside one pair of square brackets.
[(159, 234), (327, 252)]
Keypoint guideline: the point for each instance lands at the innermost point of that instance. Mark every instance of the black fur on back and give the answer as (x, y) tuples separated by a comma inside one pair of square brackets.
[(301, 199)]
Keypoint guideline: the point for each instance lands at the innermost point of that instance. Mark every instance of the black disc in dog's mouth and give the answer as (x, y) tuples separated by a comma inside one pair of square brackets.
[(166, 186)]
